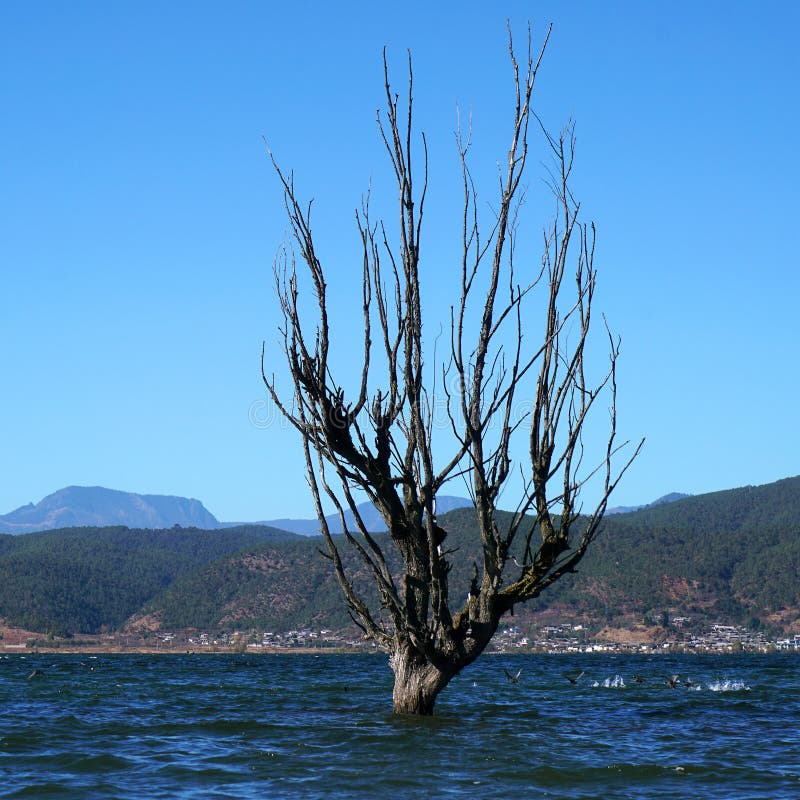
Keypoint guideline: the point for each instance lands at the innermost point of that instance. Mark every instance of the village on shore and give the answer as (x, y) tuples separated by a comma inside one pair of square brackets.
[(564, 637)]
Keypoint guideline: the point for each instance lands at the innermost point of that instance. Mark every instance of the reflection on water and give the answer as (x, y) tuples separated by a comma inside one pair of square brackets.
[(285, 726)]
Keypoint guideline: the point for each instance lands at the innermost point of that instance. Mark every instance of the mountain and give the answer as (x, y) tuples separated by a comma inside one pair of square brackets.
[(667, 498), (98, 507), (368, 513), (93, 505), (726, 557), (729, 557)]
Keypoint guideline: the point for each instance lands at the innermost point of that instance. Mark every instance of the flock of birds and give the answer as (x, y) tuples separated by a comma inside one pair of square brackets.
[(674, 681)]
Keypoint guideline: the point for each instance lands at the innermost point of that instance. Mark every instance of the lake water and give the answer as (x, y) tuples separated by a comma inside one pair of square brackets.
[(297, 726)]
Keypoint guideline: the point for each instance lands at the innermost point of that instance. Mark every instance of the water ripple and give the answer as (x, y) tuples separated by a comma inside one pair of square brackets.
[(295, 726)]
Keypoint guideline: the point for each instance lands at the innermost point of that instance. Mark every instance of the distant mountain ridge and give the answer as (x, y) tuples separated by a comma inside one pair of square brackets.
[(96, 506), (369, 514), (77, 506), (672, 497)]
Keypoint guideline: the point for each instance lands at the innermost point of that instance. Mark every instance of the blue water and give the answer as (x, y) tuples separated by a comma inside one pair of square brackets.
[(296, 726)]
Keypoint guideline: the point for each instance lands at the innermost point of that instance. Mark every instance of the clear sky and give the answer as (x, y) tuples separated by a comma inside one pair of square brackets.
[(139, 220)]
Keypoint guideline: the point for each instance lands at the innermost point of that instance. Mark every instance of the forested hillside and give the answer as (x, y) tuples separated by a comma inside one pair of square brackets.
[(730, 556), (86, 579)]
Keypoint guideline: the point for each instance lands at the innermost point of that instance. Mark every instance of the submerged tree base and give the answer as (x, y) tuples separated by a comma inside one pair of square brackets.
[(416, 683)]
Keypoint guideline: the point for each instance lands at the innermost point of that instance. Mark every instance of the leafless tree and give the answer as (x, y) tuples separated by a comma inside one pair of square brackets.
[(379, 441)]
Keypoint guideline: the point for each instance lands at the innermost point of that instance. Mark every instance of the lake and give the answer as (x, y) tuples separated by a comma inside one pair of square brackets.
[(304, 726)]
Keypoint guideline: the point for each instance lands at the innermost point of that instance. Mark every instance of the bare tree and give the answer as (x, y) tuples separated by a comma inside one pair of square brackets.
[(380, 440)]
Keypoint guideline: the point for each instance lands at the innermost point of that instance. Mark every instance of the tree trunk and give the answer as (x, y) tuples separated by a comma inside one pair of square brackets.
[(417, 683)]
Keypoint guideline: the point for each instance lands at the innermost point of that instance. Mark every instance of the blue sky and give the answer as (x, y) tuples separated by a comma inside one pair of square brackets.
[(139, 220)]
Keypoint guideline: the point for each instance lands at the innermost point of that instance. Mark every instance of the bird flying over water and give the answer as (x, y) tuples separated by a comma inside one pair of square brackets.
[(35, 674), (673, 681), (573, 679), (637, 679), (513, 678)]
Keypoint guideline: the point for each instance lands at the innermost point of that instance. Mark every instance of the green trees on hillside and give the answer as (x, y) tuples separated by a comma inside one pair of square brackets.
[(83, 579), (648, 562)]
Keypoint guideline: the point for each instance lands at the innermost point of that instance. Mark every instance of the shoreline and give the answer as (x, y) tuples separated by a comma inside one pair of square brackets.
[(566, 639), (94, 650), (158, 651)]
